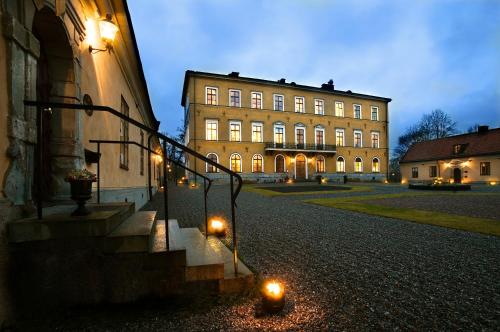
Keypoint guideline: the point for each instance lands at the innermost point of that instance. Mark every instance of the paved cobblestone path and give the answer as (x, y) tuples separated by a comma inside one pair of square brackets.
[(343, 271)]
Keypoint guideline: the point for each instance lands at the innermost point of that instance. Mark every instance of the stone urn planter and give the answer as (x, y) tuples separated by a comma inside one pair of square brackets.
[(80, 182)]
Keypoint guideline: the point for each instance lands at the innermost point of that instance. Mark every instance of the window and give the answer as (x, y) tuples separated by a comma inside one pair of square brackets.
[(375, 165), (141, 157), (339, 108), (375, 140), (235, 162), (319, 106), (414, 172), (320, 164), (340, 165), (256, 100), (299, 104), (357, 111), (358, 139), (320, 138), (235, 131), (235, 98), (484, 168), (358, 165), (300, 137), (257, 164), (459, 148), (279, 164), (339, 137), (212, 133), (432, 171), (210, 168), (279, 136), (374, 113), (279, 104), (211, 95), (124, 137), (257, 132)]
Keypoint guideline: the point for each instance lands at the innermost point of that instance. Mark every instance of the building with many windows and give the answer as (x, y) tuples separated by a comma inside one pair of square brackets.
[(467, 158), (269, 130)]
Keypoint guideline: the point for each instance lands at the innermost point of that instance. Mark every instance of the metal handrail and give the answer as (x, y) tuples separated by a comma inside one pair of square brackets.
[(300, 146), (41, 106)]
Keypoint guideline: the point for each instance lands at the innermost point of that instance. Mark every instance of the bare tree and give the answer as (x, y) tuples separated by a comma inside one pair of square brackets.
[(437, 124), (473, 129)]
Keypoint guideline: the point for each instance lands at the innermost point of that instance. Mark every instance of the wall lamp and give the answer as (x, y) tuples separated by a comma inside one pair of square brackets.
[(108, 32)]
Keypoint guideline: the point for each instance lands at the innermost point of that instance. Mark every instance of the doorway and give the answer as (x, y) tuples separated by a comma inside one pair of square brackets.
[(300, 167), (457, 175)]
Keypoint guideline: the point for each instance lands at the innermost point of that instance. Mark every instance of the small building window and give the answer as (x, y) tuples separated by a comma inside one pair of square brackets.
[(257, 129), (340, 165), (257, 164), (235, 162), (299, 104), (339, 108), (375, 140), (432, 171), (375, 165), (211, 96), (235, 98), (358, 139), (279, 103), (319, 106), (320, 164), (211, 168), (256, 100), (414, 172), (320, 138), (357, 111), (300, 137), (235, 131), (339, 137), (374, 113), (358, 165), (279, 136), (212, 132), (459, 148), (279, 164), (484, 168), (141, 156), (124, 136)]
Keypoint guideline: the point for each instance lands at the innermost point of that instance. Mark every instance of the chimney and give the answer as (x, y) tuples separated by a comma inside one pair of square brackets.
[(482, 129), (328, 86), (234, 74), (282, 81)]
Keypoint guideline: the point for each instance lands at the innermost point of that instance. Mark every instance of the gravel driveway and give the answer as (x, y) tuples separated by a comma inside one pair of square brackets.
[(343, 271)]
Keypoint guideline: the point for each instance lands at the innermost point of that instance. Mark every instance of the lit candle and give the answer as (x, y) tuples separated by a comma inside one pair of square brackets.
[(273, 296), (217, 227)]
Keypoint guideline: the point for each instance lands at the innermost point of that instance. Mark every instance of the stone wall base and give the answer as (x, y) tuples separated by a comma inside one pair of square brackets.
[(280, 177)]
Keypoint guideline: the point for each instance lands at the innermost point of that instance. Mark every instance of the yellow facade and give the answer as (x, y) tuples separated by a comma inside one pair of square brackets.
[(198, 112)]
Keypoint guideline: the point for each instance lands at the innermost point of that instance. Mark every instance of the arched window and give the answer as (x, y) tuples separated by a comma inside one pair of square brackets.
[(375, 165), (320, 164), (235, 162), (358, 165), (257, 164), (210, 168), (279, 164), (340, 165)]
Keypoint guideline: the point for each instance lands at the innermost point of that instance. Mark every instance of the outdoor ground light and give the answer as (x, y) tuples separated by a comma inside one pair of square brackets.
[(323, 180), (289, 181), (217, 227), (493, 183), (108, 32), (273, 296)]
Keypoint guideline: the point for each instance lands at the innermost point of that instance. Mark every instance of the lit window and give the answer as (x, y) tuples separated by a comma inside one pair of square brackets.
[(358, 165), (280, 164), (414, 172), (256, 100), (375, 165), (374, 113), (340, 165), (357, 111), (235, 98), (320, 164), (210, 168), (375, 140), (484, 168), (339, 137), (432, 171), (235, 162), (300, 137), (320, 138), (257, 164), (358, 139), (339, 108), (299, 104), (211, 96), (279, 103), (319, 106), (257, 132), (279, 136), (235, 131), (212, 131)]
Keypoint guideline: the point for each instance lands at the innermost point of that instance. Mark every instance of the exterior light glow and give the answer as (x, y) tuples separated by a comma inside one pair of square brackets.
[(107, 30), (493, 183), (273, 296), (386, 182), (403, 181), (217, 227), (323, 180), (289, 181)]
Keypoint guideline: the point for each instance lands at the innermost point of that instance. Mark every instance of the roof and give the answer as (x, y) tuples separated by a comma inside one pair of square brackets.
[(292, 85), (473, 144)]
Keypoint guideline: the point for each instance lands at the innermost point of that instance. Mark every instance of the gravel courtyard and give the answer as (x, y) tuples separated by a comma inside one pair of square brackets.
[(343, 271)]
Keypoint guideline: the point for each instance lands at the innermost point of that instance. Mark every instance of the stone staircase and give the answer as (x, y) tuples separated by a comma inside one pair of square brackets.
[(118, 255)]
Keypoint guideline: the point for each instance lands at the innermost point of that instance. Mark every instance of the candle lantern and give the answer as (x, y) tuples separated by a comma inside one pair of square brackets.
[(273, 296), (217, 227)]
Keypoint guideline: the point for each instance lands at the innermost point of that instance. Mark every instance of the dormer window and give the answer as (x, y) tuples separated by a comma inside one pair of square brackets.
[(459, 148)]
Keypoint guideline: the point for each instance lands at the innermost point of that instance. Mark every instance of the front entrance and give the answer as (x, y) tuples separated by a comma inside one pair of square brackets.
[(457, 175), (300, 167)]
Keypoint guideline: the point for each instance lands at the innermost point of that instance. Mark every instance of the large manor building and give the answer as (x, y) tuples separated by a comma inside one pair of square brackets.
[(270, 130)]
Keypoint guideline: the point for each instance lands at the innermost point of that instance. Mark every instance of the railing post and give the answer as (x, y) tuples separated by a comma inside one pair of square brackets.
[(150, 191), (233, 219), (206, 216), (98, 173), (165, 192), (39, 160)]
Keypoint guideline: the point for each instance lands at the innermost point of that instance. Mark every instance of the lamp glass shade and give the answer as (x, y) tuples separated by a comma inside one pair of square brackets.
[(108, 31)]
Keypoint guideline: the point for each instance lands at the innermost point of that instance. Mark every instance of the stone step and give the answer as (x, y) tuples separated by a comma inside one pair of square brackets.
[(203, 262), (176, 241), (133, 234)]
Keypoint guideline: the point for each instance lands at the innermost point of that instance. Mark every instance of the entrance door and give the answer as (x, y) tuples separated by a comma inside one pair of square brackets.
[(457, 175), (300, 167)]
